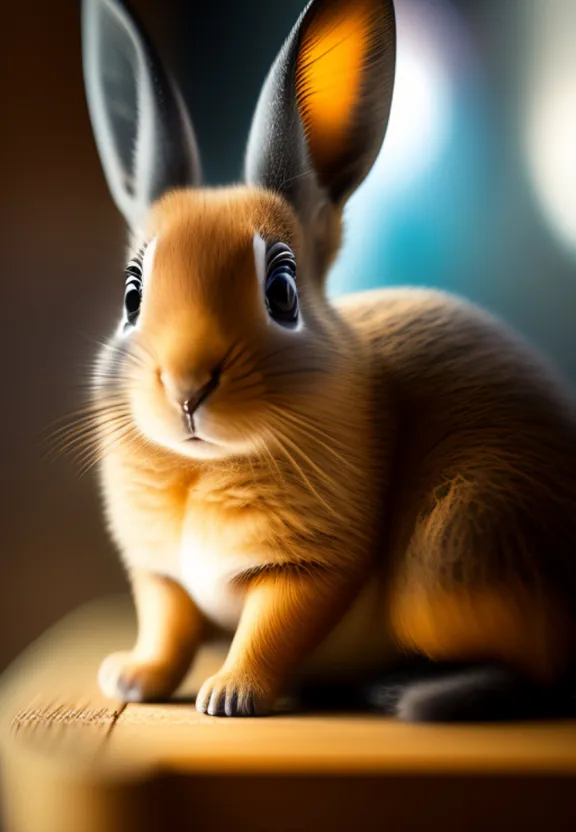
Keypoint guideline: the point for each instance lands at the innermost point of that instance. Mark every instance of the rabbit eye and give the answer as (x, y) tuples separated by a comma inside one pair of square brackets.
[(133, 290), (280, 289)]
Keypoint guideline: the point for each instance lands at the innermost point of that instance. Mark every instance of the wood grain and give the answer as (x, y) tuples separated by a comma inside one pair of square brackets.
[(74, 762)]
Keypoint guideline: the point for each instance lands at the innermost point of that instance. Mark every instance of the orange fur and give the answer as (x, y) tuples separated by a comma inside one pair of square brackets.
[(329, 77), (320, 511), (483, 625), (393, 472), (170, 629), (320, 506), (286, 613)]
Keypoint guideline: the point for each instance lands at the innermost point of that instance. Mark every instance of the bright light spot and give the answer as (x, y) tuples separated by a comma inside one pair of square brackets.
[(551, 115), (419, 121), (431, 47), (421, 115)]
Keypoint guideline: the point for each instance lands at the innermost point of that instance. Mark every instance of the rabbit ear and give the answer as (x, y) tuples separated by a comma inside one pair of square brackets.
[(326, 102), (142, 130)]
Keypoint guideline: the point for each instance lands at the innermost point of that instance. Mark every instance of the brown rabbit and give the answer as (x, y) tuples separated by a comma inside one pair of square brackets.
[(337, 485)]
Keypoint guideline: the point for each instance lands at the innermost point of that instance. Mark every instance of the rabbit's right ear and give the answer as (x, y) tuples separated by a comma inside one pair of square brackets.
[(142, 130), (324, 107)]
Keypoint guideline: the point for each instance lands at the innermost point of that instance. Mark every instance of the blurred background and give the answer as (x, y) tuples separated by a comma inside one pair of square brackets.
[(474, 191)]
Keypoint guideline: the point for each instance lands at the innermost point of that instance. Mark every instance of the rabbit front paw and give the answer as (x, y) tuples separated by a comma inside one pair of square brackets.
[(122, 676), (231, 694)]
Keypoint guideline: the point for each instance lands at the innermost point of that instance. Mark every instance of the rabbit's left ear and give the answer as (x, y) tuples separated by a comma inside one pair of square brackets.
[(324, 107)]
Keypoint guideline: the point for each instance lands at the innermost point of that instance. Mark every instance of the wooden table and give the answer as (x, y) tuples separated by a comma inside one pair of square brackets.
[(75, 762)]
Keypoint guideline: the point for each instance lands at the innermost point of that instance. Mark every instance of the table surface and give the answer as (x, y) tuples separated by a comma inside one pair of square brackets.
[(52, 710)]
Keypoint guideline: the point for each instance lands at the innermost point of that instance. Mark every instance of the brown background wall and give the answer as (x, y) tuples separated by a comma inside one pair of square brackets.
[(61, 278), (59, 238)]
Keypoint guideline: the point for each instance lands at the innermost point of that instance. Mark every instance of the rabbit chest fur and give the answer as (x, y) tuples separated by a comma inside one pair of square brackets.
[(457, 438)]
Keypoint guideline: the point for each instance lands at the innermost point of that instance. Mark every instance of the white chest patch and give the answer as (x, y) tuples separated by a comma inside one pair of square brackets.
[(207, 574)]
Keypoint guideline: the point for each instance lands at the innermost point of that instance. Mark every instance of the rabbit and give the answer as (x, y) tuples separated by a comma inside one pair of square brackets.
[(342, 485)]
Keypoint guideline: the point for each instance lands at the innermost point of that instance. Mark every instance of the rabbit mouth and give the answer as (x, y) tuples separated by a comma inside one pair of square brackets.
[(193, 437), (197, 440), (197, 443)]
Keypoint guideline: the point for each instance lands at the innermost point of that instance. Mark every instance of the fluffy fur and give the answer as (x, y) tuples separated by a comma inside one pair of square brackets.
[(395, 476), (423, 451)]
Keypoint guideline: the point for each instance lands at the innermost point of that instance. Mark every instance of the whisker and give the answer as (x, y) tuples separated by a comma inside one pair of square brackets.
[(307, 481), (101, 437), (91, 409), (281, 444), (338, 457), (97, 340), (280, 478), (82, 434), (131, 432), (83, 418), (315, 433), (331, 482), (90, 436), (88, 428)]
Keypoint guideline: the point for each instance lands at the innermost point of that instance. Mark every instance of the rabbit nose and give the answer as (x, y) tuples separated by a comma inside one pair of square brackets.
[(190, 400), (193, 401)]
